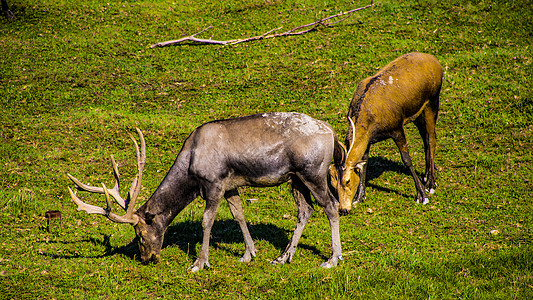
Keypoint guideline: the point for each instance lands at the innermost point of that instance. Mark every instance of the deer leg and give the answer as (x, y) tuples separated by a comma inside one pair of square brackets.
[(211, 207), (336, 255), (401, 142), (302, 196), (426, 123), (361, 194), (235, 206), (327, 202)]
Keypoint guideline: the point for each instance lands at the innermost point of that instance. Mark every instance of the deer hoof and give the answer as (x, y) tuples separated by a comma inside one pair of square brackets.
[(330, 263), (247, 257), (281, 260), (194, 269), (197, 266)]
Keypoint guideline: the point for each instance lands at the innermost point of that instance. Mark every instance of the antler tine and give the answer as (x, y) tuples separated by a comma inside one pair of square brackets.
[(108, 201), (352, 126), (92, 209), (116, 174), (93, 189), (115, 191), (129, 204), (136, 185)]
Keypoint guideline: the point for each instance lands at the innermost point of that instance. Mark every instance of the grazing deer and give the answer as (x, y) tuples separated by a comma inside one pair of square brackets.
[(405, 90), (220, 156)]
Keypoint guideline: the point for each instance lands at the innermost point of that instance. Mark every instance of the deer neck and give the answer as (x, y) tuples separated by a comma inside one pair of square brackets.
[(176, 191)]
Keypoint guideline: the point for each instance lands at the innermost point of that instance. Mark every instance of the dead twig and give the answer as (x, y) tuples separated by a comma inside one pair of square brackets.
[(267, 35)]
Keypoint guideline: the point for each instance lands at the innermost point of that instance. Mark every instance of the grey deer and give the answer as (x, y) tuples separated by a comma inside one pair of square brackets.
[(218, 157)]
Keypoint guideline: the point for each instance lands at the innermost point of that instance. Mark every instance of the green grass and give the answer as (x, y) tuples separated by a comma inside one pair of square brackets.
[(76, 77)]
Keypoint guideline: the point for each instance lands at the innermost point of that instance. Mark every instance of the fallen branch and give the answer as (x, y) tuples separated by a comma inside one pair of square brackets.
[(267, 35)]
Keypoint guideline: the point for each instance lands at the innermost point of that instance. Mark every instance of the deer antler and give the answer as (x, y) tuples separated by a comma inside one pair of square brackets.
[(129, 204), (352, 127)]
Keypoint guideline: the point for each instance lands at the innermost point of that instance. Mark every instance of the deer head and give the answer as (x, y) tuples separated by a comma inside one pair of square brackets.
[(150, 235), (345, 175)]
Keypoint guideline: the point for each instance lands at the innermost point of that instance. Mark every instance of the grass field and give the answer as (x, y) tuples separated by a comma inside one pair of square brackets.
[(77, 76)]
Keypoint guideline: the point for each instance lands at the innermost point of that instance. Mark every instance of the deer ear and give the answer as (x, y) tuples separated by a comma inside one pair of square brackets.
[(339, 154), (356, 165), (359, 166), (333, 175)]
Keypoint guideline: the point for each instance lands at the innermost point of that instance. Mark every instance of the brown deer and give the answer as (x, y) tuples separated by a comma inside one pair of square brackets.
[(217, 158), (405, 90)]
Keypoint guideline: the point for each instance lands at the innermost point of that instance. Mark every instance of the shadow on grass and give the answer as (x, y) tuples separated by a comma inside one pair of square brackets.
[(377, 166), (129, 250), (188, 234)]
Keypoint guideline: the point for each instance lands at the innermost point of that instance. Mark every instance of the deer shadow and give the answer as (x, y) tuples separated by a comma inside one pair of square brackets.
[(187, 235), (377, 166), (129, 250)]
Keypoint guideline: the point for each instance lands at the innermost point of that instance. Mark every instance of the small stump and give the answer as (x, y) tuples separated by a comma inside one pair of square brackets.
[(52, 214)]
